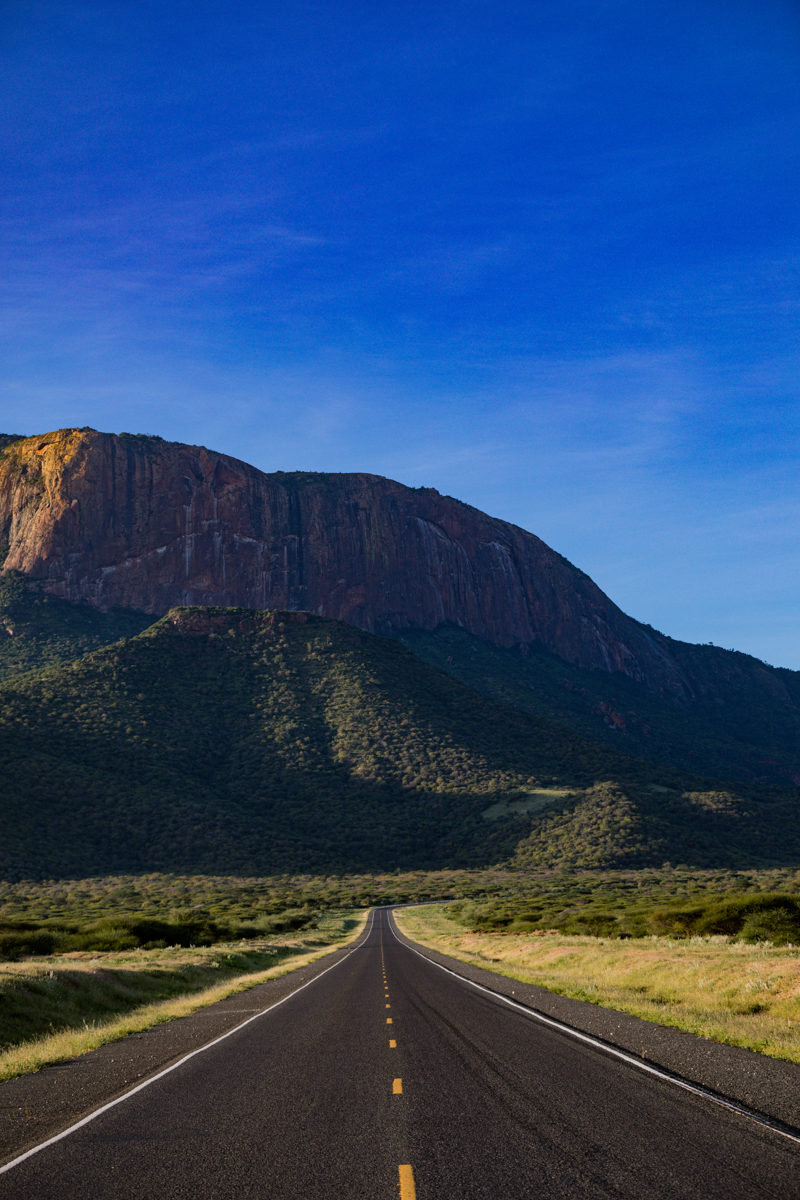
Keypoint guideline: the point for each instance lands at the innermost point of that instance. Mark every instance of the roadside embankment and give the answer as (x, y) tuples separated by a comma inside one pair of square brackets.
[(57, 1007)]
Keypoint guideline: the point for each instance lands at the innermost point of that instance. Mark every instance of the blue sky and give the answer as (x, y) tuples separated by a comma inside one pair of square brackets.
[(542, 256)]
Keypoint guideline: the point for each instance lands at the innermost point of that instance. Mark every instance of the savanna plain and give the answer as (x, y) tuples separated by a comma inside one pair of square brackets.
[(86, 962)]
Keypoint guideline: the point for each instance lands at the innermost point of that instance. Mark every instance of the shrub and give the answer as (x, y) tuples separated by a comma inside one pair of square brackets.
[(779, 925), (21, 942)]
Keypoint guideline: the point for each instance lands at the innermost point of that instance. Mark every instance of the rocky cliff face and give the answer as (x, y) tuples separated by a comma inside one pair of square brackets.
[(149, 524)]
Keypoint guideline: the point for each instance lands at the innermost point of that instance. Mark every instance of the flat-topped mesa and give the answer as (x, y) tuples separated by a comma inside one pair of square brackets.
[(148, 524)]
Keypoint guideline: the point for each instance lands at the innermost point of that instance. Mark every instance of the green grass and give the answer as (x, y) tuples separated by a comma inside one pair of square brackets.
[(48, 994), (55, 1009), (530, 802), (52, 995)]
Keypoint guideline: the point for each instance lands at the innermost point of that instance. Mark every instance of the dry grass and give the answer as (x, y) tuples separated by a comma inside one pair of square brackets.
[(533, 802), (35, 1053), (734, 993)]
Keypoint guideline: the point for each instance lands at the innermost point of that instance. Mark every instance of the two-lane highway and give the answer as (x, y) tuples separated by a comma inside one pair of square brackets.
[(386, 1076)]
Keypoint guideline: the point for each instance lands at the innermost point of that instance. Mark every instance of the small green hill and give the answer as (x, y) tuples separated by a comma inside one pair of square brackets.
[(38, 631), (246, 742)]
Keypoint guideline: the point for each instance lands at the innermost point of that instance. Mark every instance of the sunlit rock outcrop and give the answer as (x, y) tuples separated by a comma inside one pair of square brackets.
[(139, 522)]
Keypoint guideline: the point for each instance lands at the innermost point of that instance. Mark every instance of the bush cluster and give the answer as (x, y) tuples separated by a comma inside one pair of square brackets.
[(142, 931), (765, 917)]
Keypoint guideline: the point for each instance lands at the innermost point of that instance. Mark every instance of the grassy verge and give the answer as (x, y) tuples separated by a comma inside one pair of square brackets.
[(742, 995), (55, 1008)]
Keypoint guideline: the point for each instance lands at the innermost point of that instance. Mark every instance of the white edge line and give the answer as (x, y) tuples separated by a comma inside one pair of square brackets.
[(160, 1075), (562, 1027)]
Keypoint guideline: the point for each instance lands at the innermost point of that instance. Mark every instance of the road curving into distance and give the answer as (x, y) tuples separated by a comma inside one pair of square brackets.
[(387, 1076)]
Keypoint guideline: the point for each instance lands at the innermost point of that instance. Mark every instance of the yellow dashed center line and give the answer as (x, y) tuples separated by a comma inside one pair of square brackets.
[(407, 1188)]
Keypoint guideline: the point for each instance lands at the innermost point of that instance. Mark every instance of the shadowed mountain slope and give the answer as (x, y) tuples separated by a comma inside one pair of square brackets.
[(256, 742), (38, 630), (743, 723)]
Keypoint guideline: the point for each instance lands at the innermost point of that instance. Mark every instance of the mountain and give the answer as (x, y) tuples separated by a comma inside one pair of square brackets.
[(137, 522), (109, 532), (38, 630), (742, 723), (242, 741), (748, 736)]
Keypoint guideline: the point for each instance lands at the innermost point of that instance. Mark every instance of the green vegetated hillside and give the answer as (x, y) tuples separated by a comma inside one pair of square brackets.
[(259, 742), (743, 722), (37, 630)]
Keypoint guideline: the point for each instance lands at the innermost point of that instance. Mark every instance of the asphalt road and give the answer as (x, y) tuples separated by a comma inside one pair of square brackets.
[(387, 1077)]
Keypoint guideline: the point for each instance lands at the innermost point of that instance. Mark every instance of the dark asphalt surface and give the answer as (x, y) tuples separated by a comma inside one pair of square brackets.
[(769, 1086), (301, 1104)]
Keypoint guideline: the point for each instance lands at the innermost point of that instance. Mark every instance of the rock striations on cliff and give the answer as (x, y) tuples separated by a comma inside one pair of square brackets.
[(139, 522)]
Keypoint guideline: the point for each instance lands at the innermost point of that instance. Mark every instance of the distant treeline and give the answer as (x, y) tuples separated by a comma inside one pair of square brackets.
[(133, 932), (769, 917)]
